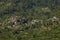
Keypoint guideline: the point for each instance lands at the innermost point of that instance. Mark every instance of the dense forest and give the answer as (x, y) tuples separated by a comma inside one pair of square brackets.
[(29, 19)]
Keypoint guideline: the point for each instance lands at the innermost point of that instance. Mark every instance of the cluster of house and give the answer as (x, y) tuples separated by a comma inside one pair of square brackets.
[(18, 21), (53, 21)]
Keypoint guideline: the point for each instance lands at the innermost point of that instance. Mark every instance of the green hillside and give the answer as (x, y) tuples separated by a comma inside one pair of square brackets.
[(29, 19)]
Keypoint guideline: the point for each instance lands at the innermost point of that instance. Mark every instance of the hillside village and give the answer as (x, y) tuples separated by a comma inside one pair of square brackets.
[(17, 22)]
